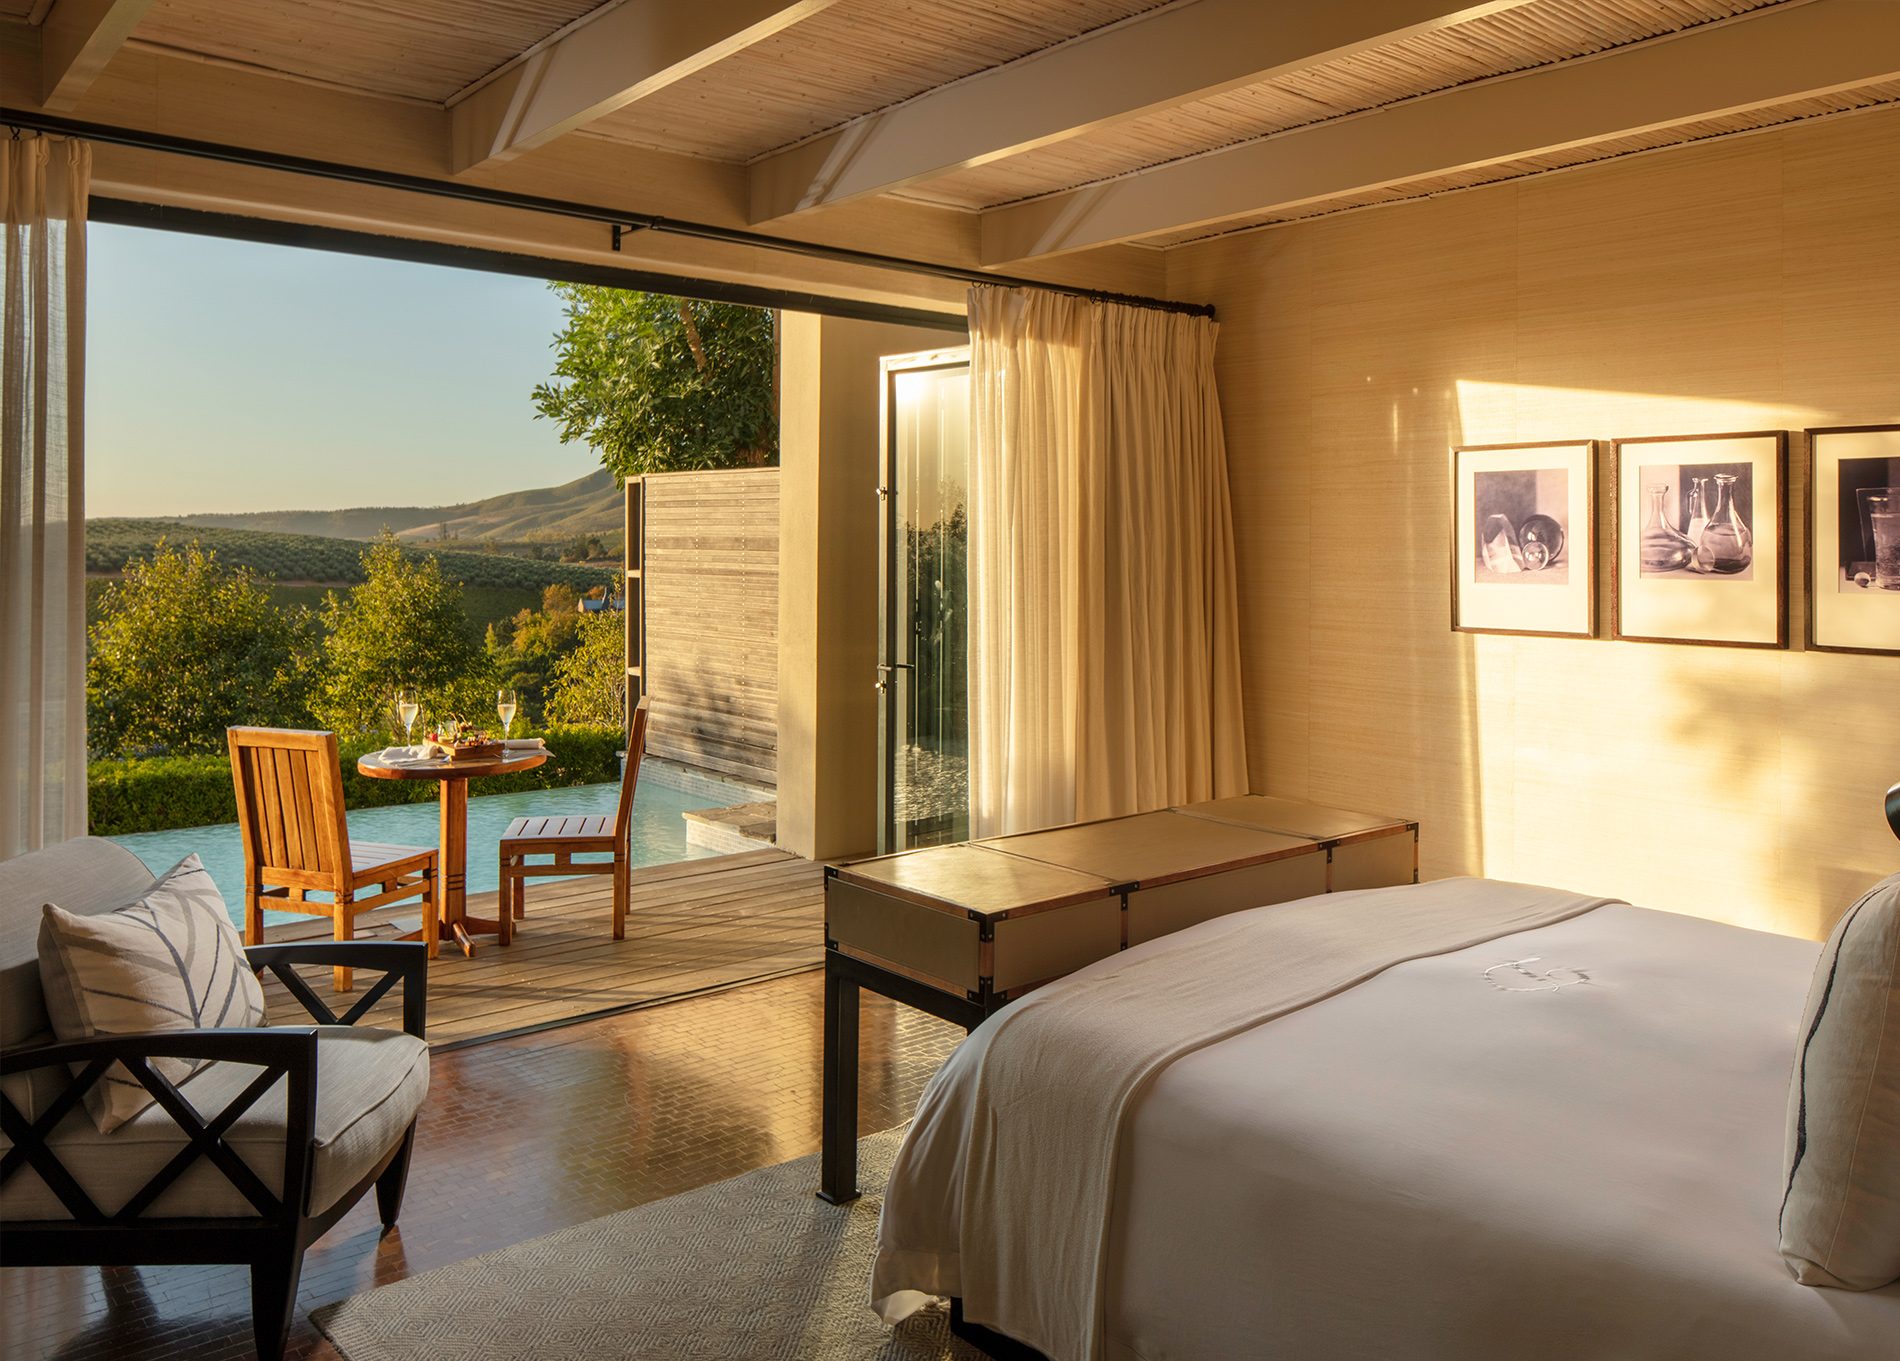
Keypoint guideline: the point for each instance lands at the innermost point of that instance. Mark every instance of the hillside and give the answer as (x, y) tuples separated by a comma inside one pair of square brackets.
[(319, 558), (588, 505)]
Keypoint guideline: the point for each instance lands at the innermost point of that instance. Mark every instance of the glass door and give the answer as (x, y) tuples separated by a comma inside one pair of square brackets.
[(923, 599)]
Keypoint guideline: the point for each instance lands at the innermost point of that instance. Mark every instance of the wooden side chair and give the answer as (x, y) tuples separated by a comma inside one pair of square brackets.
[(297, 841), (563, 838)]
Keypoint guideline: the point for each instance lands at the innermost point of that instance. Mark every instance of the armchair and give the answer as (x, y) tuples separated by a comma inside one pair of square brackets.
[(248, 1161)]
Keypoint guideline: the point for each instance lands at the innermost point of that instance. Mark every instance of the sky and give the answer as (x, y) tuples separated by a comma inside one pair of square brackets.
[(229, 376)]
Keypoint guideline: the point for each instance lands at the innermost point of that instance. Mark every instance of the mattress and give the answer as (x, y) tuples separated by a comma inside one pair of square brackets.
[(1566, 1141)]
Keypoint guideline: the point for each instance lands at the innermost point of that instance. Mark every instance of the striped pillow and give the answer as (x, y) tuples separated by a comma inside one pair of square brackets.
[(1840, 1216), (170, 961)]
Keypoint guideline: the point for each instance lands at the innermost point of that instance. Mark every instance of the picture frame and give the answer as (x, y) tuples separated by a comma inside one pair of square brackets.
[(1534, 573), (1853, 566), (1700, 548)]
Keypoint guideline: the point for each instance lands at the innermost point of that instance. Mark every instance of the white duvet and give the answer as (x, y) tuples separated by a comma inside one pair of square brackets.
[(1565, 1142)]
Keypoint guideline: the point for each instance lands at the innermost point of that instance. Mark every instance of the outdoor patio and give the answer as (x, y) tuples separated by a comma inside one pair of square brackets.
[(692, 927)]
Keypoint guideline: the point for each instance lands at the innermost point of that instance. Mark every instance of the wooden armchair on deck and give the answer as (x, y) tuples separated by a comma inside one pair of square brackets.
[(565, 837), (297, 841)]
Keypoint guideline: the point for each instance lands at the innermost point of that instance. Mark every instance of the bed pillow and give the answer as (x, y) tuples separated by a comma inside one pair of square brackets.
[(169, 961), (1840, 1215)]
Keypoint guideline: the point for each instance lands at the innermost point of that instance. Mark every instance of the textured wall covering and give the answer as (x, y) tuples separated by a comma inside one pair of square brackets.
[(1742, 285)]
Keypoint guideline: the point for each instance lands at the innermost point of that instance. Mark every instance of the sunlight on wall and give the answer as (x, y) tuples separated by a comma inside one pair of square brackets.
[(1702, 779), (1743, 285)]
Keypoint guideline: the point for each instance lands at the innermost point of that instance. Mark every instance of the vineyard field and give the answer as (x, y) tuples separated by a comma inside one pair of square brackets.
[(292, 559)]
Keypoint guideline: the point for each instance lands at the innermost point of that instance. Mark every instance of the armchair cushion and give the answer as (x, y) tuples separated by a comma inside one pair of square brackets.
[(370, 1083), (169, 961)]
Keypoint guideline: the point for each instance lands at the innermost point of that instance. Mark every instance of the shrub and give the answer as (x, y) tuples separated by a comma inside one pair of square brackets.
[(158, 793), (402, 626), (184, 647), (590, 680)]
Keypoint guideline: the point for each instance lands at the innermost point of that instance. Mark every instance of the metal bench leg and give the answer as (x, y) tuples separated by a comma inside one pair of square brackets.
[(838, 1159)]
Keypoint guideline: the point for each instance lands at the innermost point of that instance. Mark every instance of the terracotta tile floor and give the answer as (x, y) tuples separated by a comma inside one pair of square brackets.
[(518, 1138)]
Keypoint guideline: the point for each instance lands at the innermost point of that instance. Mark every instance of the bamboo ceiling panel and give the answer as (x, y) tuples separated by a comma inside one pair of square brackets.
[(1536, 34), (1817, 106), (851, 59), (421, 49)]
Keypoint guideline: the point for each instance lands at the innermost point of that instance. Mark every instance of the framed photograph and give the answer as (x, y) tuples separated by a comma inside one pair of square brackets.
[(1701, 541), (1523, 539), (1854, 539)]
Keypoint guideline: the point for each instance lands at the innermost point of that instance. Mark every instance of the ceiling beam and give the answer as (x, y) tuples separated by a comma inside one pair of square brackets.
[(618, 54), (1154, 61), (77, 39), (1763, 59), (160, 91)]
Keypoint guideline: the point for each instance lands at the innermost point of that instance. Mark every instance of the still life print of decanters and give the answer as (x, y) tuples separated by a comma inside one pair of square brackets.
[(1725, 545), (1665, 548)]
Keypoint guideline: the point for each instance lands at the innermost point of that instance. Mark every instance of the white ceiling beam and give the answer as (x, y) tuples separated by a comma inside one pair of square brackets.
[(77, 39), (618, 54), (1750, 62), (1154, 61)]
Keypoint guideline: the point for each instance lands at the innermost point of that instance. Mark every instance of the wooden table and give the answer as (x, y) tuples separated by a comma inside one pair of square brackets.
[(959, 931), (452, 855)]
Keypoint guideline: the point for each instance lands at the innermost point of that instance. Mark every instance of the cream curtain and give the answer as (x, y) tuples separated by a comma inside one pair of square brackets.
[(1025, 488), (43, 187), (1104, 647)]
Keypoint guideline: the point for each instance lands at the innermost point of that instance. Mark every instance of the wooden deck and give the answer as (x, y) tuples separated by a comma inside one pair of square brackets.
[(693, 927)]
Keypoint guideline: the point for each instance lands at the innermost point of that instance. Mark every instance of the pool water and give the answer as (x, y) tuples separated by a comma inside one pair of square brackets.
[(659, 832)]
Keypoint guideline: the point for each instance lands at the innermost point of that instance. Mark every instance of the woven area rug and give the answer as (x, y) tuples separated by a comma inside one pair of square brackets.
[(753, 1269)]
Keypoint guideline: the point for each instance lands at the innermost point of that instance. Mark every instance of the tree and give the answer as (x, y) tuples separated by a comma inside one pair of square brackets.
[(402, 627), (590, 682), (184, 648), (658, 384)]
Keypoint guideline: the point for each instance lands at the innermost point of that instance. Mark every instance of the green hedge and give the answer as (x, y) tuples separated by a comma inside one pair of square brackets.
[(157, 793)]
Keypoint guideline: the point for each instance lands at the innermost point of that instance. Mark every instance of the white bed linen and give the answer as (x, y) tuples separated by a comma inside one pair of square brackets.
[(1444, 1164)]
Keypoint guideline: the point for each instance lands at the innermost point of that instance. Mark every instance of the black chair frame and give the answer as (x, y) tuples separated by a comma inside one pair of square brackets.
[(271, 1243)]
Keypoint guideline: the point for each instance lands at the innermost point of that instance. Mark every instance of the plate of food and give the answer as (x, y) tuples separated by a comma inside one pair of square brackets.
[(459, 740)]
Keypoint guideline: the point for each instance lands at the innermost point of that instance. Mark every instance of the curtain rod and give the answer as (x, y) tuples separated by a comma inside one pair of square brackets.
[(619, 221)]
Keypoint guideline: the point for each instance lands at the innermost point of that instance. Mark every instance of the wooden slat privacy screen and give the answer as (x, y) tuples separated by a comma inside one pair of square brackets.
[(710, 577)]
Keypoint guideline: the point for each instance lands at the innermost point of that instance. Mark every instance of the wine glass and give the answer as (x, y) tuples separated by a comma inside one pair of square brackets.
[(505, 704), (407, 707)]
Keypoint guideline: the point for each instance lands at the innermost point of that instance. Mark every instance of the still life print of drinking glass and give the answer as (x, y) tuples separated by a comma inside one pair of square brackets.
[(1880, 538), (1696, 521)]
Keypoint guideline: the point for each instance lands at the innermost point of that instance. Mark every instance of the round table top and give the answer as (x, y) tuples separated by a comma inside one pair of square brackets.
[(376, 768)]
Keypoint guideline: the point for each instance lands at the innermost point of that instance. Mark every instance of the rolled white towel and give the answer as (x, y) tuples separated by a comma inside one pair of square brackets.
[(524, 744)]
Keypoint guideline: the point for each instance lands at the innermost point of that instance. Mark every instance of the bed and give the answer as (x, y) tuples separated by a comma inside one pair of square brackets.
[(1555, 1128)]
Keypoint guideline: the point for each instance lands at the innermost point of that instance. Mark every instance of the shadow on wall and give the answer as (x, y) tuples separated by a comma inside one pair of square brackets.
[(729, 726), (1808, 791), (1357, 693)]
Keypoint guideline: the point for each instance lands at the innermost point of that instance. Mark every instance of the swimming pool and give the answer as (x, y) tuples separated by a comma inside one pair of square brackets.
[(659, 830)]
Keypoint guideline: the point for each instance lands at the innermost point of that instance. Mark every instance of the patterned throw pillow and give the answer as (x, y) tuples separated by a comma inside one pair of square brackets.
[(170, 961)]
